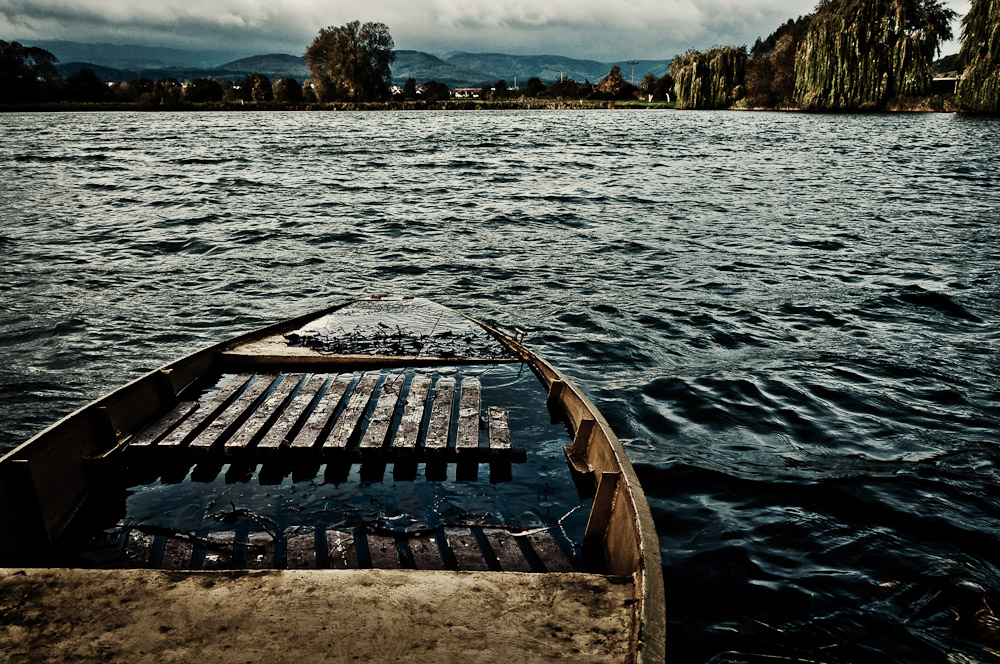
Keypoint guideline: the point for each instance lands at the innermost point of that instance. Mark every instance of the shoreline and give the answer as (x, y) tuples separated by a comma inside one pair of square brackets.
[(932, 104)]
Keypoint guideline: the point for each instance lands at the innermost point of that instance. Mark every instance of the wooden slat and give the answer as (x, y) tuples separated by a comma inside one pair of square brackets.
[(506, 550), (250, 429), (301, 551), (426, 554), (600, 511), (260, 551), (581, 440), (137, 549), (340, 550), (324, 410), (159, 428), (551, 554), (468, 414), (499, 428), (277, 435), (378, 426), (219, 552), (463, 545), (382, 552), (207, 439), (440, 423), (413, 414), (355, 408), (177, 553), (205, 412)]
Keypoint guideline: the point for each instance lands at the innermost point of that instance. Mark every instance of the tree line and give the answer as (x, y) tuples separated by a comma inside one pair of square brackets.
[(849, 55), (846, 55)]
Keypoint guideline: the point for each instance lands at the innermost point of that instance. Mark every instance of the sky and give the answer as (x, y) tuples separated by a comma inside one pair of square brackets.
[(606, 30)]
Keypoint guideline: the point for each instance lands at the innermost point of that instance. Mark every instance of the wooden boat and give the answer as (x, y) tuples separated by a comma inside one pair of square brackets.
[(359, 385)]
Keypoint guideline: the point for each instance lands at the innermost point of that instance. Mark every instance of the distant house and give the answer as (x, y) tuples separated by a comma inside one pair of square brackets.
[(945, 83), (466, 93)]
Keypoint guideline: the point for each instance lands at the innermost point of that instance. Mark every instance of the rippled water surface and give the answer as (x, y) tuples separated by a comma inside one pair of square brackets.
[(790, 320)]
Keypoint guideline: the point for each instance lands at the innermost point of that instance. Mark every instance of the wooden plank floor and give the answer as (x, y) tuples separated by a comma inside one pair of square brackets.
[(469, 548), (376, 417)]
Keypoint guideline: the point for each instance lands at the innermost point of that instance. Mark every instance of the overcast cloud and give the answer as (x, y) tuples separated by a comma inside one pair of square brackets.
[(597, 29)]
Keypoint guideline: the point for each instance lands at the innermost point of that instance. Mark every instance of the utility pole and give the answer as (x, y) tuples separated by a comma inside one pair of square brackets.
[(633, 63)]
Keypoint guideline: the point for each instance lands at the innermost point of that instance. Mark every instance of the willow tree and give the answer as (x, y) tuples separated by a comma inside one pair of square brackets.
[(713, 79), (352, 62), (859, 54), (979, 89)]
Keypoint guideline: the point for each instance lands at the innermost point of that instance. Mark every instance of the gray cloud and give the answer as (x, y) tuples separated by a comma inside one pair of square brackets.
[(599, 29)]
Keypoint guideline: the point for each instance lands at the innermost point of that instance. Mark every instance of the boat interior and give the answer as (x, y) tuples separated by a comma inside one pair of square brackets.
[(384, 434)]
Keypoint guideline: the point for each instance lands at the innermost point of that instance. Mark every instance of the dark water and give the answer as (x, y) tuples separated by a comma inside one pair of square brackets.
[(791, 321)]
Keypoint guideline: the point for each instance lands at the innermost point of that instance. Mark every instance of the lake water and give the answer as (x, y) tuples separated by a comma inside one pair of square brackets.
[(790, 320)]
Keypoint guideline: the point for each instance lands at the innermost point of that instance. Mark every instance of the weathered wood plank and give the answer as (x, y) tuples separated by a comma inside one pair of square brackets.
[(463, 545), (240, 441), (440, 423), (159, 428), (600, 511), (413, 414), (205, 411), (300, 551), (260, 551), (426, 554), (468, 414), (219, 551), (177, 553), (277, 436), (499, 428), (344, 428), (506, 550), (206, 440), (581, 440), (324, 410), (340, 549), (551, 554), (378, 426), (382, 552), (138, 547)]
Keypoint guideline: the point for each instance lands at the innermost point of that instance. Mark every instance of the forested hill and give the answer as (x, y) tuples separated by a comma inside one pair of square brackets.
[(121, 63)]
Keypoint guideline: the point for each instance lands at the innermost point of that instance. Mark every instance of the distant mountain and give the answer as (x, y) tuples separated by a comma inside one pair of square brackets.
[(549, 67), (425, 67), (274, 66), (120, 63), (131, 56), (545, 67)]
